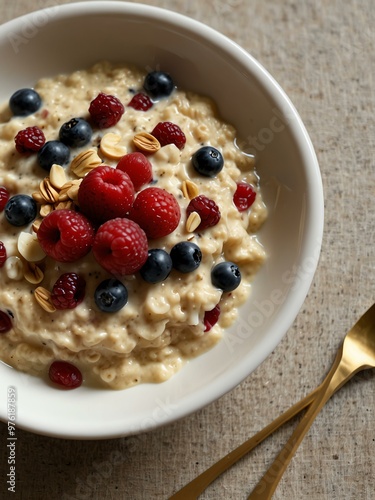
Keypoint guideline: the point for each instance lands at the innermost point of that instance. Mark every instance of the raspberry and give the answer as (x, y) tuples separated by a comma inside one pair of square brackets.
[(66, 235), (106, 110), (140, 102), (207, 209), (211, 318), (169, 133), (138, 167), (4, 197), (3, 254), (156, 211), (105, 193), (244, 196), (68, 291), (29, 140), (65, 374), (5, 322), (120, 247)]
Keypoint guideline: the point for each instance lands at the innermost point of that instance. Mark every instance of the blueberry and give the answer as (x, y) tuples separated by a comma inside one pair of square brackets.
[(53, 152), (25, 102), (158, 84), (75, 133), (208, 161), (157, 266), (111, 295), (20, 210), (186, 256), (226, 276)]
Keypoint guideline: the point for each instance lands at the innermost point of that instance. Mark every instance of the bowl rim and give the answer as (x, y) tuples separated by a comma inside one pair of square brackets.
[(313, 236)]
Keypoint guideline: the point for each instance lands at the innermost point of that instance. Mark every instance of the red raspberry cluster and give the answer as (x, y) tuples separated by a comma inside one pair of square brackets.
[(169, 133), (140, 102), (65, 375), (68, 291), (113, 221), (106, 110), (207, 209), (29, 140)]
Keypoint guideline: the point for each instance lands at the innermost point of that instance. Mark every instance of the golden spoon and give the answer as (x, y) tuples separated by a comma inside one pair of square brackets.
[(193, 489), (356, 353)]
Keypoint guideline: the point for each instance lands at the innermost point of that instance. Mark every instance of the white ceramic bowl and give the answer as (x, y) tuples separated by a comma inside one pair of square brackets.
[(69, 37)]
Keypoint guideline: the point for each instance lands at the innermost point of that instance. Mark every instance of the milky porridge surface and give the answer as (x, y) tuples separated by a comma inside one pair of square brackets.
[(161, 326)]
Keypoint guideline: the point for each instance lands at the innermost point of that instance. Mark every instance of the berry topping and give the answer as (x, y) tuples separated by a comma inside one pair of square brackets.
[(186, 256), (106, 110), (65, 374), (53, 152), (120, 247), (208, 161), (211, 318), (29, 140), (244, 196), (75, 133), (157, 266), (5, 322), (138, 167), (66, 235), (21, 209), (158, 84), (140, 102), (207, 209), (169, 133), (68, 291), (105, 193), (3, 254), (4, 197), (25, 102), (226, 276), (111, 295), (156, 211)]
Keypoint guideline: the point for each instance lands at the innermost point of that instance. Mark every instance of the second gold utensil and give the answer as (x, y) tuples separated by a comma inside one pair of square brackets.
[(193, 489)]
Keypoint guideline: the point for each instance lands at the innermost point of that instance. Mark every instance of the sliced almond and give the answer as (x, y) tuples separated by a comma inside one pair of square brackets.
[(111, 146), (29, 247), (189, 189), (33, 274), (69, 189), (63, 195), (65, 205), (146, 142), (36, 224), (45, 210), (43, 297), (49, 193), (83, 163), (193, 222), (57, 176), (38, 197), (73, 190)]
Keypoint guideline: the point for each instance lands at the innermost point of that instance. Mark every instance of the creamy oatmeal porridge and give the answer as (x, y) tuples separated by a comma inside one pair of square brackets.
[(164, 322)]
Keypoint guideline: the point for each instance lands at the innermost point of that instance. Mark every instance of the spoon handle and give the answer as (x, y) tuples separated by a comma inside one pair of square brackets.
[(201, 482), (267, 485)]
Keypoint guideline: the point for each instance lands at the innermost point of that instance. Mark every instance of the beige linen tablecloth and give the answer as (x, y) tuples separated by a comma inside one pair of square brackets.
[(323, 54)]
